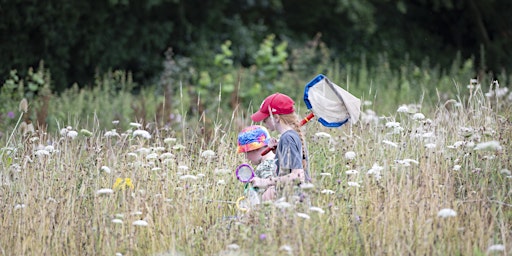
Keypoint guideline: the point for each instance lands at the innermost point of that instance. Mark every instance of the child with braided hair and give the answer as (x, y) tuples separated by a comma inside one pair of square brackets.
[(277, 112)]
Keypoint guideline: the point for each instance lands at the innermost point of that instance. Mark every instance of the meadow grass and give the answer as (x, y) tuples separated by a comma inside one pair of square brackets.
[(405, 183)]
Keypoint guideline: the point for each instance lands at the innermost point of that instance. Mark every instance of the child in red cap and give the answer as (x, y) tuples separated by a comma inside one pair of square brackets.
[(277, 112), (252, 141)]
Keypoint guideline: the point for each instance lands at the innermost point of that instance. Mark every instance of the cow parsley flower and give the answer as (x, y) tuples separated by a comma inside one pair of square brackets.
[(349, 155), (446, 213), (140, 223), (142, 133)]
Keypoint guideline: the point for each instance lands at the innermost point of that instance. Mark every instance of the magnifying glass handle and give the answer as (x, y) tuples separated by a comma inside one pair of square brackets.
[(267, 150)]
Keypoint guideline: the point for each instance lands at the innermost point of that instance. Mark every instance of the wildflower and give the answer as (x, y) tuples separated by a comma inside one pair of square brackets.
[(183, 167), (496, 248), (72, 134), (418, 116), (111, 133), (286, 248), (86, 133), (140, 223), (136, 125), (327, 191), (392, 124), (166, 155), (151, 156), (19, 206), (353, 184), (105, 169), (349, 172), (122, 184), (221, 171), (282, 204), (303, 215), (390, 143), (142, 133), (169, 140), (456, 167), (23, 107), (406, 162), (375, 171), (446, 212), (156, 169), (316, 209), (403, 109), (350, 155), (307, 186), (117, 221), (221, 182), (178, 147), (208, 154), (41, 153), (323, 135), (505, 172), (489, 145), (325, 174), (104, 191), (233, 247), (263, 237), (188, 177), (430, 145), (10, 114), (115, 122)]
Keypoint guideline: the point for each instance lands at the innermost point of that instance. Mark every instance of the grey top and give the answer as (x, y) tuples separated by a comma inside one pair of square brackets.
[(289, 154)]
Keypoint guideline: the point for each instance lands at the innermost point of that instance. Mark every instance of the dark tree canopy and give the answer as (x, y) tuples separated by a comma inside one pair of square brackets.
[(77, 39)]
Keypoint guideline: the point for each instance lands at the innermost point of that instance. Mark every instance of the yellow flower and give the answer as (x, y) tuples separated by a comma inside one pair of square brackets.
[(122, 184)]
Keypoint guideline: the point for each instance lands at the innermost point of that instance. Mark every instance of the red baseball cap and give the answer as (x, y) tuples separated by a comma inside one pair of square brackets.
[(278, 103)]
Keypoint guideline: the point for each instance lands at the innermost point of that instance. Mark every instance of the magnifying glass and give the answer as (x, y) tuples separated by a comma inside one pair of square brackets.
[(244, 173)]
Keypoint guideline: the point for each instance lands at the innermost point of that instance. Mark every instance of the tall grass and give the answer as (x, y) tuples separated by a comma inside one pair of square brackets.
[(408, 166)]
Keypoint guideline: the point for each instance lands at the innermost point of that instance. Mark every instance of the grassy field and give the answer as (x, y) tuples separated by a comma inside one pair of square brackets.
[(407, 183)]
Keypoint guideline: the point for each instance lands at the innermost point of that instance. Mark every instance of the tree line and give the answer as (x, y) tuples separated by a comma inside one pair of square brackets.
[(80, 39)]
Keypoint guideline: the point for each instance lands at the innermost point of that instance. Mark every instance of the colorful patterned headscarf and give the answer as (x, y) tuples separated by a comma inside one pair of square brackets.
[(252, 137)]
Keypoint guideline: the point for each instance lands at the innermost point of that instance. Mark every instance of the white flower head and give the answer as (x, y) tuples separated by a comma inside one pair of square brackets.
[(19, 206), (327, 191), (390, 143), (403, 109), (41, 153), (350, 155), (446, 213), (169, 140), (117, 221), (303, 215), (456, 167), (418, 116), (105, 169), (307, 186), (353, 184), (392, 124), (188, 177), (489, 145), (104, 191), (323, 135), (142, 133), (316, 209), (350, 172), (496, 248), (72, 134), (430, 145), (208, 154), (140, 223), (282, 204), (112, 133), (136, 125)]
